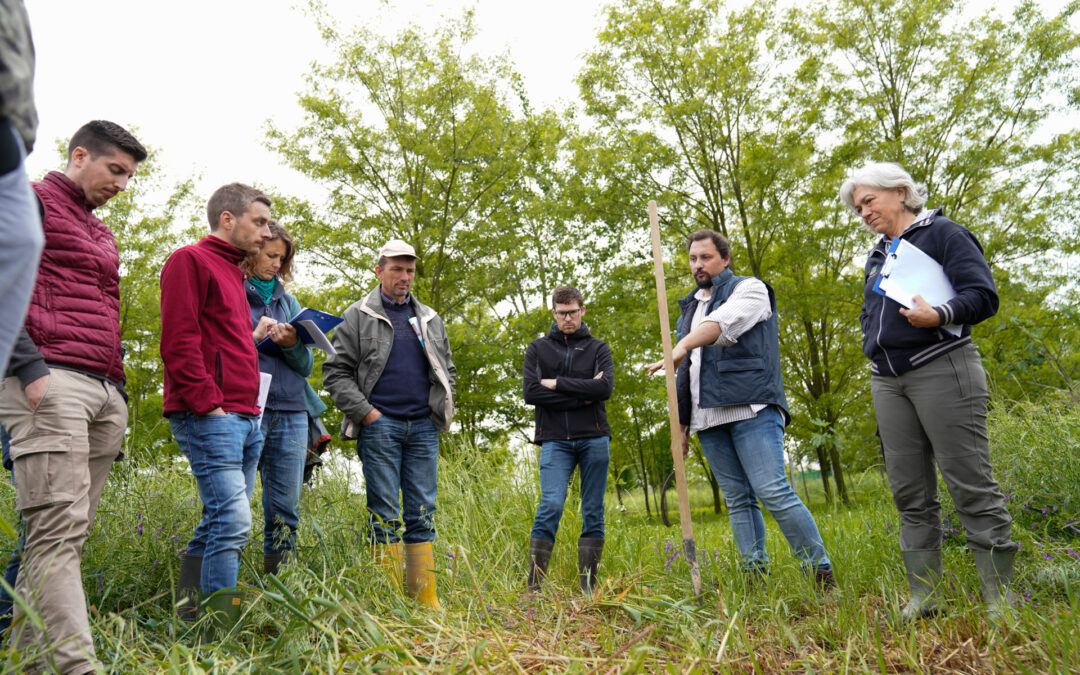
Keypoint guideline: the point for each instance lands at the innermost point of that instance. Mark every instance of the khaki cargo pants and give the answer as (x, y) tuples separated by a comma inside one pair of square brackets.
[(62, 453)]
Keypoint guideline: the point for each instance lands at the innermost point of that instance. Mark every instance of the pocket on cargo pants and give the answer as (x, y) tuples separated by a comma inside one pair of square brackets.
[(44, 468)]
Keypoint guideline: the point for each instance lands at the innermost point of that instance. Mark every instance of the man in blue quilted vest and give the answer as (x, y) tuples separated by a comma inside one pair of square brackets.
[(731, 393)]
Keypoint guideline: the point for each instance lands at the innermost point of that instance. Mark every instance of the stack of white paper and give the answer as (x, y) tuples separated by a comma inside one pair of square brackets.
[(908, 271)]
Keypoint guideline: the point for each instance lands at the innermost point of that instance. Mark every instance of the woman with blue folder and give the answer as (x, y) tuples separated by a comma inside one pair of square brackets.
[(929, 389), (285, 414)]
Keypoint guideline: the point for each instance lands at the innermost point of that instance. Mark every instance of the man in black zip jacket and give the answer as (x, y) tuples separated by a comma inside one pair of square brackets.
[(568, 375)]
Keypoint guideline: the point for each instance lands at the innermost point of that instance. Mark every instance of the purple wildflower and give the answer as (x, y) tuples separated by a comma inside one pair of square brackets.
[(671, 559)]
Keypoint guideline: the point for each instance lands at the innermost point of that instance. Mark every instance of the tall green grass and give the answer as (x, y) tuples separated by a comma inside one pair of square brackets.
[(333, 611)]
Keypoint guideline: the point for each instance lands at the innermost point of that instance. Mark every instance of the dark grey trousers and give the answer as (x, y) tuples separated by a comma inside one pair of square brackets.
[(937, 414)]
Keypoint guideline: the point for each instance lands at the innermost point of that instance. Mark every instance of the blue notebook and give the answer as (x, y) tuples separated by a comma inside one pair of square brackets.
[(311, 327)]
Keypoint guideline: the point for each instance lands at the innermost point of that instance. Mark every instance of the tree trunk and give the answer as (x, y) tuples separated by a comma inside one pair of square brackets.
[(805, 489), (663, 498), (838, 474), (641, 459), (823, 462), (618, 488), (718, 504)]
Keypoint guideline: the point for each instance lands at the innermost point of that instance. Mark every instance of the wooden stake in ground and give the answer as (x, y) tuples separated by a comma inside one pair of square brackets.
[(688, 546)]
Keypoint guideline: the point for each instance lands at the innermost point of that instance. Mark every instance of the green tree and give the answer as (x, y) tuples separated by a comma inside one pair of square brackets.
[(721, 113), (414, 138), (747, 121), (974, 107), (147, 232)]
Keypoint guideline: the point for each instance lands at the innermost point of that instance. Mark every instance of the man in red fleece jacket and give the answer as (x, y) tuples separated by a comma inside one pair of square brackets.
[(212, 388), (63, 398)]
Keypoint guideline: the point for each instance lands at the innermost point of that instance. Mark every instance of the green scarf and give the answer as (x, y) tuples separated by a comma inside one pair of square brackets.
[(265, 288)]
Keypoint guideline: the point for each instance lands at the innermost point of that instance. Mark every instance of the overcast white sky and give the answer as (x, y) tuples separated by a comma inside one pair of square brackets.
[(199, 78)]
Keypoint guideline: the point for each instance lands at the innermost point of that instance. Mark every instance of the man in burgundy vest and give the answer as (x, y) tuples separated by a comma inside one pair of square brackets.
[(62, 399)]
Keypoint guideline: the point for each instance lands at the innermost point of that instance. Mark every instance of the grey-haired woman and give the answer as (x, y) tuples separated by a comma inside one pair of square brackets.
[(929, 390)]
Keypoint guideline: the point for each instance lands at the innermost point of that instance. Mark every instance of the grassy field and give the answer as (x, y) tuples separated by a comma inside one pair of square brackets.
[(333, 612)]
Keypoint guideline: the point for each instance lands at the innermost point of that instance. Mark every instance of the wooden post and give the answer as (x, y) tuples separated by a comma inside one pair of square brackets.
[(688, 546)]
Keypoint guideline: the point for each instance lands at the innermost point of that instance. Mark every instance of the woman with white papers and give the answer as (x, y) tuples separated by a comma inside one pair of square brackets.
[(927, 381), (285, 414)]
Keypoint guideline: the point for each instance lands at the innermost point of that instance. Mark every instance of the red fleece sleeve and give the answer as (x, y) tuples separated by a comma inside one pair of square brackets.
[(182, 292)]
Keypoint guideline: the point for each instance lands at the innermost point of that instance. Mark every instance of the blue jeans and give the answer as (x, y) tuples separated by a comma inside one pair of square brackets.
[(747, 459), (11, 572), (557, 462), (281, 468), (400, 455), (223, 451)]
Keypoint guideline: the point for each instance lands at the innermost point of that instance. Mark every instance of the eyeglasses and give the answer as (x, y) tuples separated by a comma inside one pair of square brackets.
[(566, 315)]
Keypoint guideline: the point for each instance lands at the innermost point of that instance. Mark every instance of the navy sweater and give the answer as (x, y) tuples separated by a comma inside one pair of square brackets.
[(402, 389)]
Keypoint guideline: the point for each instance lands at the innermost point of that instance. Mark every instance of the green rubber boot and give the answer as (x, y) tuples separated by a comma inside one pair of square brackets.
[(995, 570), (224, 609), (923, 575)]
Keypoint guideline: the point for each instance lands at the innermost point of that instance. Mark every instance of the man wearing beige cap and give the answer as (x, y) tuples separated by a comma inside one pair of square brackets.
[(393, 378)]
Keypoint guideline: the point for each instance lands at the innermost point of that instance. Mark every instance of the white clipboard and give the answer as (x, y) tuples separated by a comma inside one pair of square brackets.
[(908, 271)]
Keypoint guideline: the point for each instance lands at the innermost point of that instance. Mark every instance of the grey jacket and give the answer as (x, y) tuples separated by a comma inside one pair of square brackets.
[(17, 71), (363, 342)]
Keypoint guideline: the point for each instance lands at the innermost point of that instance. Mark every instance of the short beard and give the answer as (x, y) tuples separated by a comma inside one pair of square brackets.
[(703, 284)]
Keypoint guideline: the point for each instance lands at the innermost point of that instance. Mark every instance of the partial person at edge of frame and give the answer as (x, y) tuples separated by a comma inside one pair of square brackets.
[(20, 219)]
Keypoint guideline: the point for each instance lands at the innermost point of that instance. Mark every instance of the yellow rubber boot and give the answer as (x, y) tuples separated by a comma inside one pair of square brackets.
[(390, 558), (420, 574)]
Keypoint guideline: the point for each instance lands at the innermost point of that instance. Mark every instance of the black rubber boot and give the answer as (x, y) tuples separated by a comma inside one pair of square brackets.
[(589, 552), (539, 556), (271, 562), (187, 587)]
